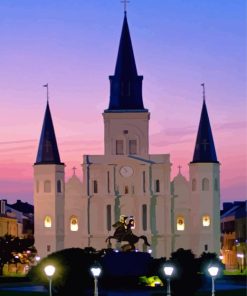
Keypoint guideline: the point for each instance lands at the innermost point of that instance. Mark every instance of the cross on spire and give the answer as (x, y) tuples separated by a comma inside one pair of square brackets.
[(203, 91), (47, 91), (125, 2), (74, 169)]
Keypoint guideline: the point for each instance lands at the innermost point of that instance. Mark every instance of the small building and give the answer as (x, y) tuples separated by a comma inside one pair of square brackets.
[(233, 234)]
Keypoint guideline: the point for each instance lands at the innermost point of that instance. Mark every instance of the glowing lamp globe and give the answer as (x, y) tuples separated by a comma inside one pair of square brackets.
[(168, 270), (213, 270), (96, 271), (49, 270)]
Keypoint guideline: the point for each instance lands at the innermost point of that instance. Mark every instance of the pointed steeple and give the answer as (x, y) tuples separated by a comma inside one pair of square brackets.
[(204, 148), (125, 84), (48, 150)]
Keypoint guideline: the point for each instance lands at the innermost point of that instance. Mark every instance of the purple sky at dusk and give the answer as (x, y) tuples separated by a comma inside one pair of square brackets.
[(72, 45)]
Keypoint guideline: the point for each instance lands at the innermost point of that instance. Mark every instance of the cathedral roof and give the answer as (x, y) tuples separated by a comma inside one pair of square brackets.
[(204, 148), (48, 150), (125, 84)]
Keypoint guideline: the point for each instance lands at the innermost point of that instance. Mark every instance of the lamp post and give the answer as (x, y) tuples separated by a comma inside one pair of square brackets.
[(168, 272), (96, 272), (242, 261), (213, 271), (49, 271)]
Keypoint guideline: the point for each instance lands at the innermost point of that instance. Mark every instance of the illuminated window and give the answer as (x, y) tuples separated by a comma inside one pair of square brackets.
[(73, 223), (205, 184), (59, 186), (47, 186), (216, 184), (132, 147), (194, 185), (119, 147), (157, 185), (180, 223), (95, 186), (47, 222), (206, 221)]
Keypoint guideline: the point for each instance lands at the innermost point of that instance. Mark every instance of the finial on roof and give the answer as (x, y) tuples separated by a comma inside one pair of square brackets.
[(179, 169), (47, 91), (203, 92), (74, 168), (125, 5)]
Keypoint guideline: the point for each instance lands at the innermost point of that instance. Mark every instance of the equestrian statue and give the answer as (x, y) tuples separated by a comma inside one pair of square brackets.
[(123, 233)]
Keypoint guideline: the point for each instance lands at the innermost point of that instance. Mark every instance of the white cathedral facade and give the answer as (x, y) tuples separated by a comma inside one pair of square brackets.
[(127, 180)]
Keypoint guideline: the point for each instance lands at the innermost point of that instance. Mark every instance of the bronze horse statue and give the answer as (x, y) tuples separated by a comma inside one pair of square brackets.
[(123, 233)]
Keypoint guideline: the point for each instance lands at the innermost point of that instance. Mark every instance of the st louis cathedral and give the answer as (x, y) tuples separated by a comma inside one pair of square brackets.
[(127, 180)]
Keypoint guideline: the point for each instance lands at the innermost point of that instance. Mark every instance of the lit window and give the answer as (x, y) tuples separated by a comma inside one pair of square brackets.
[(180, 223), (194, 185), (206, 221), (59, 186), (205, 184), (73, 223), (132, 147), (47, 222), (119, 147), (47, 186)]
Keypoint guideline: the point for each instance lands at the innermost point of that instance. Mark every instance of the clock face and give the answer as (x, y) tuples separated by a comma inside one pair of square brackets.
[(126, 171)]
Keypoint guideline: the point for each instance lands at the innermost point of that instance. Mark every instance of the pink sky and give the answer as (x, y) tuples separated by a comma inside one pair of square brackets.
[(74, 49)]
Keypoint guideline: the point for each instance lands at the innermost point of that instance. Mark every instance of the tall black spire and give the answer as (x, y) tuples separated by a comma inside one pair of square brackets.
[(48, 150), (204, 148), (125, 84)]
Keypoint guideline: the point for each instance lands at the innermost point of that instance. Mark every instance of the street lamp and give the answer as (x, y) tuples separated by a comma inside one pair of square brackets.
[(242, 261), (96, 271), (213, 271), (168, 272), (49, 271)]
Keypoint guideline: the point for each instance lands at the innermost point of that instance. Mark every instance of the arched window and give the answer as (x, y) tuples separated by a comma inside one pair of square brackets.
[(74, 223), (59, 186), (206, 220), (126, 190), (193, 184), (180, 223), (144, 181), (108, 217), (216, 184), (144, 217), (47, 186), (205, 184), (95, 186), (47, 222), (157, 185)]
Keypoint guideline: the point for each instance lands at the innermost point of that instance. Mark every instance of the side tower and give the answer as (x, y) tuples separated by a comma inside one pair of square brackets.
[(205, 190), (126, 119), (48, 192)]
